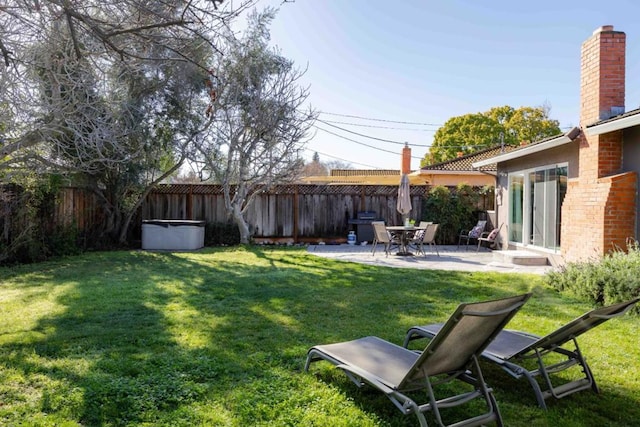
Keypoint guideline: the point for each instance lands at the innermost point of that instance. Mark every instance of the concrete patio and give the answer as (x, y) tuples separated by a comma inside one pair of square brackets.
[(451, 258)]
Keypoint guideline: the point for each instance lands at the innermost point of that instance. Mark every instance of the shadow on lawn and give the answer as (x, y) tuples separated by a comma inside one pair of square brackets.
[(227, 329)]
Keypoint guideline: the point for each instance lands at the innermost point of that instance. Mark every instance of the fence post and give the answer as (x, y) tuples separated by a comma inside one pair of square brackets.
[(295, 213), (190, 203)]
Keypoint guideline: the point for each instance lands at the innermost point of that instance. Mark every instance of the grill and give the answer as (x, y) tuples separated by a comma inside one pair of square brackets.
[(362, 222)]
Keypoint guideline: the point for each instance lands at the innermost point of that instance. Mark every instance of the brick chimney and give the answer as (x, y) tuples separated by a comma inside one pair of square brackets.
[(602, 87), (602, 198), (602, 75), (406, 159)]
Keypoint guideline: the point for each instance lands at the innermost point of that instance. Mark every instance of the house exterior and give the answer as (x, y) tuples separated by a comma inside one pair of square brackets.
[(460, 170), (449, 173), (370, 176), (361, 177), (574, 196)]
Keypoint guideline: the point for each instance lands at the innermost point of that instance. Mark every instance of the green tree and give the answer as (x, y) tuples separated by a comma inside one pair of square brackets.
[(463, 134), (500, 125)]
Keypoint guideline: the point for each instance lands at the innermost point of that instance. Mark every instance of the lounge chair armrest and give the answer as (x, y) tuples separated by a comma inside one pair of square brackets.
[(611, 316), (367, 377)]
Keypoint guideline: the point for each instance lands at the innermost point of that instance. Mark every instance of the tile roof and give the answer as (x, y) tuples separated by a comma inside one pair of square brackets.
[(526, 149), (463, 164)]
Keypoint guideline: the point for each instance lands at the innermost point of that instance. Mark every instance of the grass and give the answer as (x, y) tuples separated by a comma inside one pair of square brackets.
[(219, 338)]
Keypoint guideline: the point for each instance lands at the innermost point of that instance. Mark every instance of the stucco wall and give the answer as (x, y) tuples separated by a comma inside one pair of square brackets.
[(631, 162), (567, 153), (453, 179)]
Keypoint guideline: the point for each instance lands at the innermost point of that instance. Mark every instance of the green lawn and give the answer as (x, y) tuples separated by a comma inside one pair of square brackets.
[(219, 337)]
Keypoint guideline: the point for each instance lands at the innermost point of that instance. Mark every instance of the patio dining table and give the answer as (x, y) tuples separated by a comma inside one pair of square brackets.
[(405, 233)]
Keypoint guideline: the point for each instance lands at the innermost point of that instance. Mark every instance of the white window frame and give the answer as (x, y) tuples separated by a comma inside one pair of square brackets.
[(526, 202)]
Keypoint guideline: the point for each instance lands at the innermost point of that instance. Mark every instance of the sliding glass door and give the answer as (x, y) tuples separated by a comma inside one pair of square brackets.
[(516, 198), (535, 206)]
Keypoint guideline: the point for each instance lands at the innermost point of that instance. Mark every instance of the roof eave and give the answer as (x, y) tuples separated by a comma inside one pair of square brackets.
[(613, 125), (446, 172), (552, 143)]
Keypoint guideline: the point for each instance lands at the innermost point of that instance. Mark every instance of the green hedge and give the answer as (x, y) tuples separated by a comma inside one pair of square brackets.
[(27, 213), (453, 210), (614, 278), (219, 233)]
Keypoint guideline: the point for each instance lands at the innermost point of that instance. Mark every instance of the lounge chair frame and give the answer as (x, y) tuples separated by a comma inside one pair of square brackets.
[(511, 347), (452, 355)]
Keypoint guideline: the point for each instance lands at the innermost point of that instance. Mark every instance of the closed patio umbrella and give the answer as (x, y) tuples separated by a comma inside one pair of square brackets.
[(404, 197)]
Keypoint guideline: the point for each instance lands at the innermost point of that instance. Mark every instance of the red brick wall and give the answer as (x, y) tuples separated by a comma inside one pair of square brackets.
[(620, 210), (598, 212)]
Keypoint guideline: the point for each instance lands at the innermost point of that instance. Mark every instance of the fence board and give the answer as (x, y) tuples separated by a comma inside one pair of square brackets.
[(291, 211)]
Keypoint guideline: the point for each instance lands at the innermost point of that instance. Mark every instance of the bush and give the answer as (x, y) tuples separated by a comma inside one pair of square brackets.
[(614, 278), (219, 233), (454, 211), (26, 219)]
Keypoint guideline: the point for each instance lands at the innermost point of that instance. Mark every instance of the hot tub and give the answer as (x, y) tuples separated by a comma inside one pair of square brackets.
[(172, 234)]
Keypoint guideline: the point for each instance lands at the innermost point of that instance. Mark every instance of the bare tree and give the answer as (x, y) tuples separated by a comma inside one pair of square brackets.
[(111, 91), (102, 33), (258, 120)]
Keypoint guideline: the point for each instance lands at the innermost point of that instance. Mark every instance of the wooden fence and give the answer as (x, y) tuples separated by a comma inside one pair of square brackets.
[(297, 212), (292, 211)]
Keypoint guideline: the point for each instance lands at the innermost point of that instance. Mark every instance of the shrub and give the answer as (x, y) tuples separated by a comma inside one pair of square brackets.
[(454, 211), (26, 219), (612, 279), (219, 233)]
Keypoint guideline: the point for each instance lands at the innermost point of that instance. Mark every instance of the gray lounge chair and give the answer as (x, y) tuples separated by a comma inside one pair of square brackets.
[(452, 355), (513, 347)]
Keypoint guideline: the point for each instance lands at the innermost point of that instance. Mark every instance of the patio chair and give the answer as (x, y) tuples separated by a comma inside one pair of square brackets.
[(382, 235), (425, 237), (473, 234), (511, 348), (489, 237), (452, 355)]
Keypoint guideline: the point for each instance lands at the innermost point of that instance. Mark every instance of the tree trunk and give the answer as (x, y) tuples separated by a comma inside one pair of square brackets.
[(238, 217)]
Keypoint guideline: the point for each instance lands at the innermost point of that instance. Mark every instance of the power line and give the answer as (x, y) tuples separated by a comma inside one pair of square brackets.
[(361, 143), (343, 160), (461, 146), (371, 137), (380, 120), (379, 127)]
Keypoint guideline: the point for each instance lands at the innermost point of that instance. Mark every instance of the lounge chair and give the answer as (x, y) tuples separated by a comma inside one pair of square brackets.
[(382, 235), (513, 347), (473, 234), (452, 355)]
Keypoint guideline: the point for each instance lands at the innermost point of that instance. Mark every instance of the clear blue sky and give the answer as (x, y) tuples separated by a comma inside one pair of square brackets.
[(427, 61)]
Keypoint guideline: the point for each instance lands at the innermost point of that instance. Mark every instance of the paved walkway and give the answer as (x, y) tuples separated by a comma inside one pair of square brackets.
[(450, 259)]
